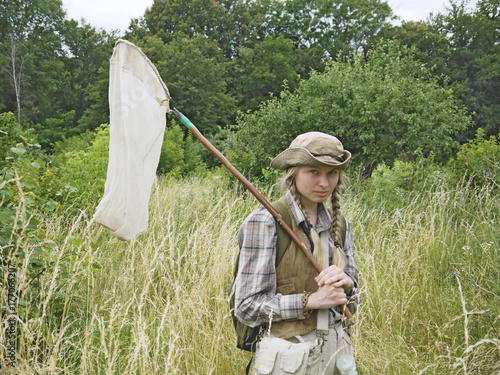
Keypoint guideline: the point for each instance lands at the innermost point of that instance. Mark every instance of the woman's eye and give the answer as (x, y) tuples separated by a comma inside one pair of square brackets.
[(332, 172)]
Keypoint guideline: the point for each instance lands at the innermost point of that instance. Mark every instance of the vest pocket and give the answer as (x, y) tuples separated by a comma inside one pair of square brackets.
[(287, 287)]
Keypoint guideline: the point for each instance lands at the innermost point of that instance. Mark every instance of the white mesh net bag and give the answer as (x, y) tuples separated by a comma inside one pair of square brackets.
[(138, 102)]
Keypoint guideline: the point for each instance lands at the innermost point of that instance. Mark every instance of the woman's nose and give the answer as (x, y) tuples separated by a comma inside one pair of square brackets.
[(323, 180)]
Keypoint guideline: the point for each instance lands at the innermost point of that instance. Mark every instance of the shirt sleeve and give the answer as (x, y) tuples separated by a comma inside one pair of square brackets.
[(256, 300)]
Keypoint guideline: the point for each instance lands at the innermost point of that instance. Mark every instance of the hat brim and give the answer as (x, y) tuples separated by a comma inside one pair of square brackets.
[(292, 157)]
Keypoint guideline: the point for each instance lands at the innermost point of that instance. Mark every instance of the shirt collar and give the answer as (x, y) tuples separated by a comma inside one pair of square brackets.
[(324, 219)]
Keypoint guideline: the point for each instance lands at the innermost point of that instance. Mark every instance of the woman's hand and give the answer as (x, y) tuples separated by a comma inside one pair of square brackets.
[(336, 277), (333, 284), (326, 297)]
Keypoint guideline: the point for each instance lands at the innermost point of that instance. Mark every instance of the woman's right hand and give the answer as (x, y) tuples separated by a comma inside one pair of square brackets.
[(326, 297)]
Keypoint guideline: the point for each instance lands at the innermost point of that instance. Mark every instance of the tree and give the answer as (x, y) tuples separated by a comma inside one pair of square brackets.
[(474, 61), (96, 95), (87, 76), (479, 160), (332, 25), (194, 71), (431, 47), (225, 22), (30, 48), (178, 156), (50, 65), (55, 129), (87, 49), (78, 87), (263, 71), (15, 73), (379, 106), (243, 30)]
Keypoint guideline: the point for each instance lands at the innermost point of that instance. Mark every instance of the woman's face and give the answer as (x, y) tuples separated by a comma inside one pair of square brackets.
[(316, 184)]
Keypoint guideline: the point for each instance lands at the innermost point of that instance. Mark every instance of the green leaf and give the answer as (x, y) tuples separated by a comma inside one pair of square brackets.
[(77, 241), (38, 250), (50, 206), (30, 201), (5, 215), (36, 264), (51, 244), (19, 150)]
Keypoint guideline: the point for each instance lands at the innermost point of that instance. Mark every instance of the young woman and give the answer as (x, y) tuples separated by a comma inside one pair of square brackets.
[(287, 297)]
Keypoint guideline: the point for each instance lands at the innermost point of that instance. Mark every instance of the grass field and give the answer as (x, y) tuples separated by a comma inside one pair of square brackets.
[(428, 267)]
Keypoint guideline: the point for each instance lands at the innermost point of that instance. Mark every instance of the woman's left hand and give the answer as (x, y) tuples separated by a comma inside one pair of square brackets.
[(335, 276)]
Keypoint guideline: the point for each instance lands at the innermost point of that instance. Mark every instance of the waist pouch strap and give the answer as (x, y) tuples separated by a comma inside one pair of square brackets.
[(322, 322)]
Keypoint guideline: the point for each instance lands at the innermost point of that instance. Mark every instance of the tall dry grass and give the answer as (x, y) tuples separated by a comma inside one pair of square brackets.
[(158, 305), (430, 280)]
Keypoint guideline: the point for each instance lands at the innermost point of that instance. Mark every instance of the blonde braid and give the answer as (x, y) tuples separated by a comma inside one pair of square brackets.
[(339, 257), (296, 195), (290, 184)]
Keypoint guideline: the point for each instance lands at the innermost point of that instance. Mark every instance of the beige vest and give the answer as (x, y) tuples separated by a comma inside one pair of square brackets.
[(295, 275)]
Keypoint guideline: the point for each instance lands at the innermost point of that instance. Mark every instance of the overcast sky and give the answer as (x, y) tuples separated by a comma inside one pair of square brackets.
[(116, 14)]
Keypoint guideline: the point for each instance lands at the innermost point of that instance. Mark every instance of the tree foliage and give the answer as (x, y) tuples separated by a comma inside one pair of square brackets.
[(178, 155), (264, 69), (332, 25), (431, 46), (29, 54), (260, 35), (48, 64), (474, 61), (226, 22), (194, 71), (221, 58), (378, 106), (88, 49)]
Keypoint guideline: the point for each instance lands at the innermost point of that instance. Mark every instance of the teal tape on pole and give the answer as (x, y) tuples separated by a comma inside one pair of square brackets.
[(186, 122), (183, 118)]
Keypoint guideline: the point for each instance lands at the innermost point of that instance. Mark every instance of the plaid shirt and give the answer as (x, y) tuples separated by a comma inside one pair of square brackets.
[(256, 300)]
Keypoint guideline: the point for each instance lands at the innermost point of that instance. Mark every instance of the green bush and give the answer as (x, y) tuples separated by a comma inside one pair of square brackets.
[(179, 154), (78, 142), (479, 160), (31, 193), (56, 129), (83, 161), (9, 135), (84, 170), (379, 106), (392, 187)]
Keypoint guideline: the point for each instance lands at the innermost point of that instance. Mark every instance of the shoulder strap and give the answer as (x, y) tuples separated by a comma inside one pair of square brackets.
[(284, 238), (343, 226)]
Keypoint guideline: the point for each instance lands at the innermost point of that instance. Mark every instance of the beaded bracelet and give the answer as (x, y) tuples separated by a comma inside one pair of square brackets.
[(305, 311)]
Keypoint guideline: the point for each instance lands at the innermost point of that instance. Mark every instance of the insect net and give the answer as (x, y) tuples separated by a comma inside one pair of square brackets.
[(138, 102)]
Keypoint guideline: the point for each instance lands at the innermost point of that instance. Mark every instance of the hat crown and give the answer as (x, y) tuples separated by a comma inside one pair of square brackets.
[(318, 143), (313, 149)]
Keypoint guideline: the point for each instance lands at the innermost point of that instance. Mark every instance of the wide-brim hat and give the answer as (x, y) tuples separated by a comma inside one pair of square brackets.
[(313, 149)]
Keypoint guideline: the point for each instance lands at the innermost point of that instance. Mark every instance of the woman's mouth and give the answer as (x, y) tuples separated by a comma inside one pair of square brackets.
[(322, 193)]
